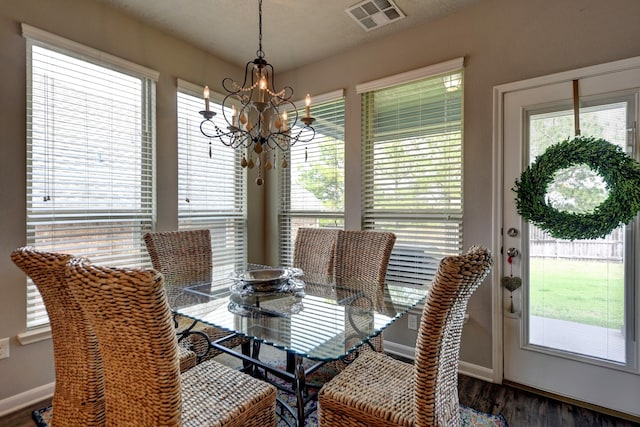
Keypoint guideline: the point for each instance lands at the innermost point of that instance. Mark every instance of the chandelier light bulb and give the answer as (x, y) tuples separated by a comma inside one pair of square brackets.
[(205, 94)]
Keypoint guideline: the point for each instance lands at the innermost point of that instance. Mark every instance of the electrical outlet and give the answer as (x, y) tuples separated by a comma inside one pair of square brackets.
[(4, 348), (412, 321)]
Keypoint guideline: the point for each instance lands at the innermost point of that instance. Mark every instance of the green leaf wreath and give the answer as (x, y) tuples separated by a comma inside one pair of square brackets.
[(620, 173)]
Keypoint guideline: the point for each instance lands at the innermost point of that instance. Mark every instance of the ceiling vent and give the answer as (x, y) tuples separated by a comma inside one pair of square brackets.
[(372, 14)]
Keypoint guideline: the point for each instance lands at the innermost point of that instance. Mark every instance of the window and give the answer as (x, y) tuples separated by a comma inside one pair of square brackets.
[(412, 166), (211, 185), (312, 186), (89, 155)]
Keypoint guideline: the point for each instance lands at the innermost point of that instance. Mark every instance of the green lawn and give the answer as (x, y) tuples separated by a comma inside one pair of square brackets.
[(581, 291)]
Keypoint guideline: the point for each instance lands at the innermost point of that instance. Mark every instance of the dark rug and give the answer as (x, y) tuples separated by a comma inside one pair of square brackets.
[(470, 417)]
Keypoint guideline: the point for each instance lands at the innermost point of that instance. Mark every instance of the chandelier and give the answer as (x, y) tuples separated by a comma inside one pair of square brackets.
[(263, 119)]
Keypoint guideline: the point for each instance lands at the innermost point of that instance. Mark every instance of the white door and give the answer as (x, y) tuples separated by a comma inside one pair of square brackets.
[(573, 328)]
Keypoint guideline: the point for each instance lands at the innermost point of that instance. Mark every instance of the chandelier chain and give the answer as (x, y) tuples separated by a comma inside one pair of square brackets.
[(260, 52)]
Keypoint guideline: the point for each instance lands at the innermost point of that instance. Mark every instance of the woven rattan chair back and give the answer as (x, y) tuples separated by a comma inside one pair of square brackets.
[(376, 389), (438, 343), (361, 262), (314, 253), (128, 307), (183, 257), (78, 398), (362, 256)]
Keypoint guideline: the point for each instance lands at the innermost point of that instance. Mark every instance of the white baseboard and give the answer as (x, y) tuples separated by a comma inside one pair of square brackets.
[(465, 368), (25, 399), (400, 350), (476, 371)]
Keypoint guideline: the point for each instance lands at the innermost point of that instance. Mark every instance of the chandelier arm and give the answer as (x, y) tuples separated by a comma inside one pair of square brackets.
[(231, 138), (273, 143), (242, 139), (285, 140), (225, 108), (287, 92), (306, 129)]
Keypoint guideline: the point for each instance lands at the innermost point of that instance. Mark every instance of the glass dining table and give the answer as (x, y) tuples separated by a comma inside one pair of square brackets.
[(307, 317)]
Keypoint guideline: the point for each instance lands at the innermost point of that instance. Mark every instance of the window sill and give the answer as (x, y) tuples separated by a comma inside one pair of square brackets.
[(34, 335)]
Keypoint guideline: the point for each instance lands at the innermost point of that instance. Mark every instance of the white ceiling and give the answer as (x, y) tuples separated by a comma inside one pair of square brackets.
[(294, 32)]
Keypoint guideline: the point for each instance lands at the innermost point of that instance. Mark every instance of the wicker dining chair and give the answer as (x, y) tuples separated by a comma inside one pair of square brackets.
[(78, 396), (361, 262), (377, 389), (128, 308), (184, 257), (313, 252)]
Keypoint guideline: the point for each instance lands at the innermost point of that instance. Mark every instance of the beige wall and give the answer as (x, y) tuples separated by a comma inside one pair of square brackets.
[(94, 25), (502, 41)]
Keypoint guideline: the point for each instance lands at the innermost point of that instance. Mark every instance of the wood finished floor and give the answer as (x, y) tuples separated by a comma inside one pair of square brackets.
[(521, 408)]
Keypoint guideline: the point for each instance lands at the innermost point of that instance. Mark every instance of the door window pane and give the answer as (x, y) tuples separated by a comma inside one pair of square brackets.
[(577, 288)]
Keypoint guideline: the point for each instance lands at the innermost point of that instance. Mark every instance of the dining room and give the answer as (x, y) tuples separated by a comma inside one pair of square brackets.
[(419, 102)]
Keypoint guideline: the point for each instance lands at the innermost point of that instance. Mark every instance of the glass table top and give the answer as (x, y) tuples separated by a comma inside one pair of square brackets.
[(307, 316)]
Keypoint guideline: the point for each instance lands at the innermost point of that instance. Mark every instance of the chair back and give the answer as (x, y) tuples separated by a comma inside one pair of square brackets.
[(438, 343), (362, 259), (128, 309), (78, 399), (361, 262), (314, 252), (183, 257)]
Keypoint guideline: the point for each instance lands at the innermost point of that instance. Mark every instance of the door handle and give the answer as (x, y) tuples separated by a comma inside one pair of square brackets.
[(512, 252)]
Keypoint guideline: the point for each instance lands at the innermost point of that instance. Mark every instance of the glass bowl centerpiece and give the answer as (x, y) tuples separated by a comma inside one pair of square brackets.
[(264, 280)]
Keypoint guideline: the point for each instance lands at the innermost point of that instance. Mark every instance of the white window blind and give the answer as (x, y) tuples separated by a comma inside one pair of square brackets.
[(412, 171), (89, 160), (312, 187), (211, 188)]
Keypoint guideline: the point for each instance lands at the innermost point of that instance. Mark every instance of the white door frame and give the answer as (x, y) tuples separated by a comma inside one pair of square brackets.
[(499, 93)]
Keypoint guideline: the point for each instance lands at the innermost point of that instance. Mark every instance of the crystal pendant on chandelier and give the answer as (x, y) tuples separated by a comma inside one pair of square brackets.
[(262, 118)]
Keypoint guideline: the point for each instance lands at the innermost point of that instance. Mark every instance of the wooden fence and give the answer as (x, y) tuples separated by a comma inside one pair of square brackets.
[(610, 249)]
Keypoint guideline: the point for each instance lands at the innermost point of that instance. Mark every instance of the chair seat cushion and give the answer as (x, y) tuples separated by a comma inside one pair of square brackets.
[(235, 398), (374, 389), (187, 358)]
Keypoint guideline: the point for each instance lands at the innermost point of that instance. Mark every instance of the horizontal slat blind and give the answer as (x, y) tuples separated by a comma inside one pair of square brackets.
[(312, 186), (211, 189), (89, 161), (412, 172)]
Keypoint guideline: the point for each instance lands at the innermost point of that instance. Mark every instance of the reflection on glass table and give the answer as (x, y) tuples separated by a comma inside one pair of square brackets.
[(302, 317)]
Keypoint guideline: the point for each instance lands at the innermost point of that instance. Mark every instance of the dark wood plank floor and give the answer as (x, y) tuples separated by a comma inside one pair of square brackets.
[(22, 418), (521, 408), (524, 408)]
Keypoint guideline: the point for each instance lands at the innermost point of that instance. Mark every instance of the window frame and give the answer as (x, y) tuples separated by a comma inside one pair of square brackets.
[(226, 225), (312, 217), (72, 223), (424, 235)]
